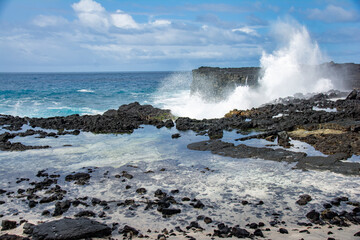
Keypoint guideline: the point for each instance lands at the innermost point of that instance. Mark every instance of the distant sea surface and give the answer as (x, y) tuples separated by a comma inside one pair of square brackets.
[(62, 94)]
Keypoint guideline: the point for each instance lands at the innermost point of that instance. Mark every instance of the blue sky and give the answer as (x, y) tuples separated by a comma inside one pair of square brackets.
[(115, 35)]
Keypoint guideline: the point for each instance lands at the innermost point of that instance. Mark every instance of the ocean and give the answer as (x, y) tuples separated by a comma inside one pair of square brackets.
[(62, 94), (154, 159)]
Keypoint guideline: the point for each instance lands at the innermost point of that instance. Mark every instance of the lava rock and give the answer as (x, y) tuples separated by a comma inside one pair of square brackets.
[(7, 224), (141, 191), (170, 211), (85, 213), (313, 216), (240, 232), (12, 237), (128, 229), (176, 135), (258, 233), (70, 229), (61, 207), (79, 178), (304, 199), (283, 231), (208, 220)]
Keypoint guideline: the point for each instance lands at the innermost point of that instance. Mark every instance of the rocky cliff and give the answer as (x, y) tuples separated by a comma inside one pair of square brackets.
[(214, 83)]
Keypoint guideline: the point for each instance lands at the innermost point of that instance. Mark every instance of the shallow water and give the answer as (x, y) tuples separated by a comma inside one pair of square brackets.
[(221, 183)]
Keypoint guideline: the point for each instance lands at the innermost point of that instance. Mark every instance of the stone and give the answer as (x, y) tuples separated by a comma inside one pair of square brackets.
[(61, 207), (85, 213), (128, 229), (283, 231), (240, 232), (170, 211), (304, 199), (8, 224), (79, 178), (12, 237), (141, 191), (175, 135), (208, 220), (28, 228), (68, 228), (258, 233)]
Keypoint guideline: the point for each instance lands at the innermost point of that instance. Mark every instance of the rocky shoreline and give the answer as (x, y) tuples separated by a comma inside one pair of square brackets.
[(330, 126)]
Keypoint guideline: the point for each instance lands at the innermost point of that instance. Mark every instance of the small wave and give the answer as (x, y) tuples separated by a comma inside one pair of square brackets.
[(85, 91)]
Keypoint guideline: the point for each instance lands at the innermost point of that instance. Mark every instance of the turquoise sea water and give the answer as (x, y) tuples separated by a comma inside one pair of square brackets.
[(61, 94)]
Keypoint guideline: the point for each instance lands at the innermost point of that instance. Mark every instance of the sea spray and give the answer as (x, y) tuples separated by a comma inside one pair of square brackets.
[(288, 70)]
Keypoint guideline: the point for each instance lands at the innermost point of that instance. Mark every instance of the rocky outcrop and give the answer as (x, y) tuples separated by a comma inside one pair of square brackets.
[(70, 229), (123, 120), (214, 83)]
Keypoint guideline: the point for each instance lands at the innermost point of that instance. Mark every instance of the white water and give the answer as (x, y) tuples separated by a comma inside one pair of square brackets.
[(284, 75)]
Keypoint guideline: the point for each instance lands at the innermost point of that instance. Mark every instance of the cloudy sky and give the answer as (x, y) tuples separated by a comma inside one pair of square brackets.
[(143, 35)]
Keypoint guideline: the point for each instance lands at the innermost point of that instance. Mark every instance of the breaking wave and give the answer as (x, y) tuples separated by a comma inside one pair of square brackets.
[(286, 71)]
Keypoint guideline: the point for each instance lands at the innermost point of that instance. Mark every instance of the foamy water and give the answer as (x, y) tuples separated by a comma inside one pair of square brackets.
[(219, 182)]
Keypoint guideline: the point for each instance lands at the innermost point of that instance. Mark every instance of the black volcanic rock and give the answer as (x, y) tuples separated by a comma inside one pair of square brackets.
[(7, 224), (124, 120), (70, 229)]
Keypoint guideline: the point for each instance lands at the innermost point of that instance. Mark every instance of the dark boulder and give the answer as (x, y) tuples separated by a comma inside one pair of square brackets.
[(128, 229), (8, 224), (304, 199), (70, 229), (240, 232), (61, 207), (258, 233), (313, 216), (170, 211), (354, 95), (215, 133), (85, 213), (79, 178), (12, 237)]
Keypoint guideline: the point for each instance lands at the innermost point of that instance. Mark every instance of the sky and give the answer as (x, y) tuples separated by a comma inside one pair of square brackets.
[(143, 35)]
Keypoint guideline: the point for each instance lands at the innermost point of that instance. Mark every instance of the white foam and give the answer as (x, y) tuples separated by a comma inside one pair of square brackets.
[(286, 73), (85, 91), (324, 109)]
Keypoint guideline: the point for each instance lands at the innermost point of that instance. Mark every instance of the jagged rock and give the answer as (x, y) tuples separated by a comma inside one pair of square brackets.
[(258, 233), (313, 216), (170, 211), (79, 178), (85, 213), (304, 199), (70, 229), (12, 237), (7, 224), (354, 95), (240, 232), (128, 229), (61, 207)]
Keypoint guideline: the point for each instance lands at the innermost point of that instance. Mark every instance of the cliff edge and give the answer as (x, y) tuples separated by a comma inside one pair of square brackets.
[(214, 83)]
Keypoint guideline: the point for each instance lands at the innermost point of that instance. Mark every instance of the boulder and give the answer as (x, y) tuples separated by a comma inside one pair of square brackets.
[(70, 229)]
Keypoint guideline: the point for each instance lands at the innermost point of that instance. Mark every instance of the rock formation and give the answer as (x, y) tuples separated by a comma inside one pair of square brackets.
[(214, 83)]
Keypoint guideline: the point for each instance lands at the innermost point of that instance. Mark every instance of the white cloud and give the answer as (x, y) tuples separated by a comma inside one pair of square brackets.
[(95, 16), (46, 21), (92, 14), (123, 20), (333, 14), (88, 6), (161, 23), (247, 30)]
